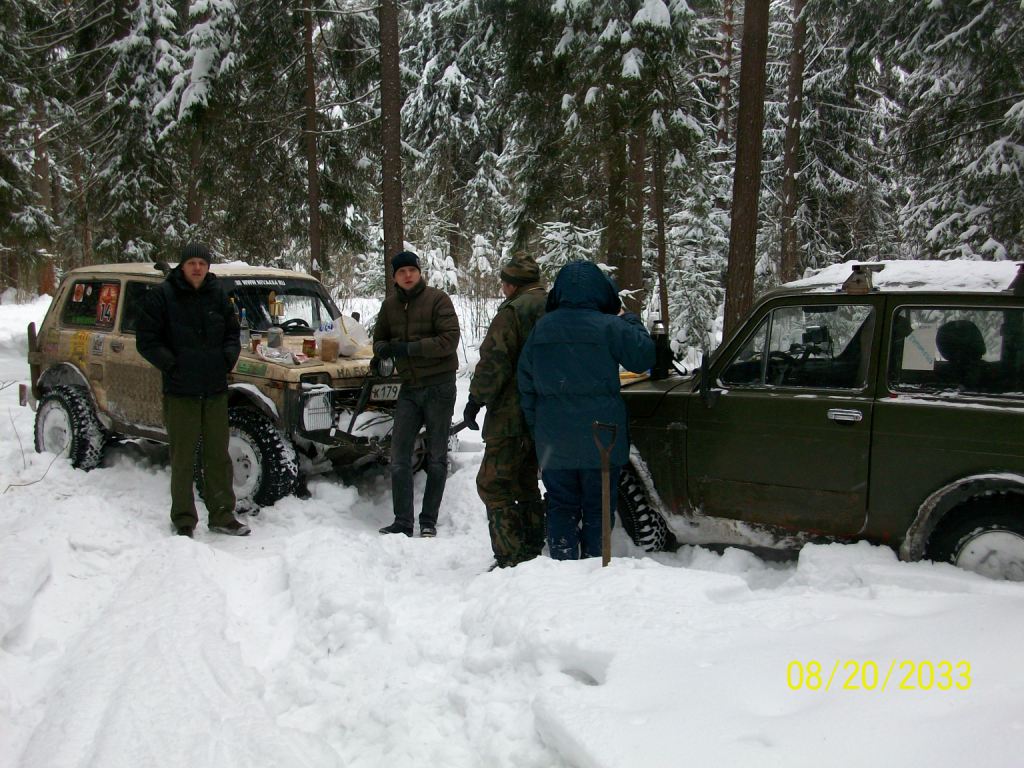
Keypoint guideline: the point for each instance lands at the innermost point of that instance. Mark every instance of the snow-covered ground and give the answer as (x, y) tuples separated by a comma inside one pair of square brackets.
[(316, 642)]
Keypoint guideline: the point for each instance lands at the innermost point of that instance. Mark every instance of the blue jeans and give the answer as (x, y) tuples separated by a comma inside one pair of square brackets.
[(574, 510), (433, 406)]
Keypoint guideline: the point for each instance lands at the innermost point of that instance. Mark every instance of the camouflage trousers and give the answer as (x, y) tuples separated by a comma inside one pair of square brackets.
[(507, 484)]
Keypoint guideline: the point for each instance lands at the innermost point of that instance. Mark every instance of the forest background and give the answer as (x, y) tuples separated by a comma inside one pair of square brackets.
[(566, 128)]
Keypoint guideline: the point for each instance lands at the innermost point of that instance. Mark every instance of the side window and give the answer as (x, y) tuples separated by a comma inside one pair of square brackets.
[(747, 367), (134, 294), (957, 349), (817, 347), (92, 304)]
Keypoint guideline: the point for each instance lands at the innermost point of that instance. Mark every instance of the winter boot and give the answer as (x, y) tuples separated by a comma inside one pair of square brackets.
[(532, 518), (231, 528), (503, 525), (395, 528)]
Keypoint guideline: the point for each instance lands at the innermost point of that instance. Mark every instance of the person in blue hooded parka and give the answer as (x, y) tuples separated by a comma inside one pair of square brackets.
[(569, 378)]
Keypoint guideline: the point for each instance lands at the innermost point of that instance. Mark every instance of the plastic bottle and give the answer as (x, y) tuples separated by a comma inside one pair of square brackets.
[(244, 335)]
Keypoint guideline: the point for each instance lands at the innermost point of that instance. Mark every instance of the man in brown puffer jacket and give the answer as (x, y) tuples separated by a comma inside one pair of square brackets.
[(418, 327), (507, 482)]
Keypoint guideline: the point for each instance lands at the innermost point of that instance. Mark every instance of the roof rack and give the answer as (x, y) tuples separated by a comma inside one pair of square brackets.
[(859, 280)]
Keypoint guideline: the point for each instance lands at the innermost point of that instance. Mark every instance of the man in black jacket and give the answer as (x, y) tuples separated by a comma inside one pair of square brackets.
[(188, 329)]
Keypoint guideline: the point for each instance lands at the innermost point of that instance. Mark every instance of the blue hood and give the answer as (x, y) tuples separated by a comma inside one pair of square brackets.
[(582, 285)]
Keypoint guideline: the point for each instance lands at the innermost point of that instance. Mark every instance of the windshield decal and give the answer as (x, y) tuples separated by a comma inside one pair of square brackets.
[(257, 281)]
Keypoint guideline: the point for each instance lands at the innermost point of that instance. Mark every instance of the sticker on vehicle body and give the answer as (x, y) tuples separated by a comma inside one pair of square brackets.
[(97, 343), (106, 307), (79, 344), (255, 369)]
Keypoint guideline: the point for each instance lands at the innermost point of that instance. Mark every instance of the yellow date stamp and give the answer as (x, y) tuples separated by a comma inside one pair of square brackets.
[(868, 675)]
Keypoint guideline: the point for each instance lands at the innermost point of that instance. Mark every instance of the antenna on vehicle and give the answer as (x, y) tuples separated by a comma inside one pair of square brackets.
[(859, 280), (163, 267), (1017, 285)]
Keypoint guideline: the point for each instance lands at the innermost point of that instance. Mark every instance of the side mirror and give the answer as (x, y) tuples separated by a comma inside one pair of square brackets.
[(707, 394)]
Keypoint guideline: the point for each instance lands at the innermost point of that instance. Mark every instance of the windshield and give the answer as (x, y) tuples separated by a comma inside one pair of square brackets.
[(297, 305)]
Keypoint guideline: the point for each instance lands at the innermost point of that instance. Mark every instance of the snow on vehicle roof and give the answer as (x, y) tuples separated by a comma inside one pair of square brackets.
[(919, 275)]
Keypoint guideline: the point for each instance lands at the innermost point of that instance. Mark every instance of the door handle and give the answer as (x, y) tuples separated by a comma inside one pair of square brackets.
[(116, 345), (844, 415)]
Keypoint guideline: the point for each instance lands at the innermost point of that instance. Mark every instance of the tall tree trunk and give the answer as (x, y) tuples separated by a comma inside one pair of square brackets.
[(82, 215), (193, 205), (631, 272), (789, 261), (457, 245), (41, 160), (739, 280), (43, 268), (725, 73), (312, 173), (616, 222), (658, 200), (391, 136)]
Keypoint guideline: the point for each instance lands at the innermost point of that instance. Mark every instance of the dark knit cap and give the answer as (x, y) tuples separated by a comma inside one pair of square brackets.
[(404, 259), (520, 270), (196, 251)]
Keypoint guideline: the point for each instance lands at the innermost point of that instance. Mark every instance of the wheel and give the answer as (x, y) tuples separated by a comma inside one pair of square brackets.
[(295, 322), (263, 461), (66, 424), (986, 536), (644, 525)]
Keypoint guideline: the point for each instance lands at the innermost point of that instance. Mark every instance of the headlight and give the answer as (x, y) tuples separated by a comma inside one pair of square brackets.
[(385, 366), (313, 379)]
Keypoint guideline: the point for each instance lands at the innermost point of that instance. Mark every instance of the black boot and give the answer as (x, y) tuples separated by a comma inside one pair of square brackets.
[(396, 528)]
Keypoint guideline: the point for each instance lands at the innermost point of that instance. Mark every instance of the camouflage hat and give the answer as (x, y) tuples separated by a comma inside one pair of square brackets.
[(520, 270)]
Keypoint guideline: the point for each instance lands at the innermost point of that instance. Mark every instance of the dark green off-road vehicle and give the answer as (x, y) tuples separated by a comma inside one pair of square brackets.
[(883, 404)]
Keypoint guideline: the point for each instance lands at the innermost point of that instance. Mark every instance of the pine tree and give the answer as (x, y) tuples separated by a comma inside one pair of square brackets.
[(960, 87), (140, 211), (25, 219), (456, 194)]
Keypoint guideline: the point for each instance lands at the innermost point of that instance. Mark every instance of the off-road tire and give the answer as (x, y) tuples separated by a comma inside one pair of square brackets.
[(1004, 514), (263, 461), (641, 522), (66, 424)]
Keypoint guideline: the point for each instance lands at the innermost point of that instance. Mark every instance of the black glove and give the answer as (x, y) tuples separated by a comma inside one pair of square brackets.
[(397, 349), (472, 409)]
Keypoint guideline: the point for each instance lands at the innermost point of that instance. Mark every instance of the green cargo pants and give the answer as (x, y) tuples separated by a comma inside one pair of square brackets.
[(188, 419), (507, 484)]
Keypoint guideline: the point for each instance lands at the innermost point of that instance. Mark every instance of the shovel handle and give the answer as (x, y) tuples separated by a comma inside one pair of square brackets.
[(603, 447)]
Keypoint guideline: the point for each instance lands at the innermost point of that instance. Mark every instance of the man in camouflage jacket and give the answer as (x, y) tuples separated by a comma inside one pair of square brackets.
[(507, 481)]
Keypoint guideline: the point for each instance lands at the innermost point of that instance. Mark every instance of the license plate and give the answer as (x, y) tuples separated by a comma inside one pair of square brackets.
[(385, 391)]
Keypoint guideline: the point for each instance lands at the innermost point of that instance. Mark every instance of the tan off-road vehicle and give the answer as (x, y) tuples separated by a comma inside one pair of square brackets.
[(291, 412)]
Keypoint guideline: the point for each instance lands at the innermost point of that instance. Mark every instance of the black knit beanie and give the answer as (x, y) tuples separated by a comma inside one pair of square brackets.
[(404, 259), (196, 251), (520, 270)]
